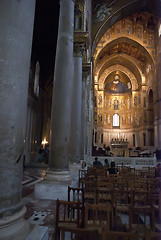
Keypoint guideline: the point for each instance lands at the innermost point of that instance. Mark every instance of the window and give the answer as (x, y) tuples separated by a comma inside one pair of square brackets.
[(116, 120)]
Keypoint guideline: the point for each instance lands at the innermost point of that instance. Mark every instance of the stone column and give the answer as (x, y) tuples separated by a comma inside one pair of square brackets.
[(62, 90), (74, 146), (27, 137), (89, 120), (83, 119), (16, 29), (86, 146)]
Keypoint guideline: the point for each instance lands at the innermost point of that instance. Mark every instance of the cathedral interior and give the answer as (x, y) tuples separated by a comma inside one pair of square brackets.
[(79, 79)]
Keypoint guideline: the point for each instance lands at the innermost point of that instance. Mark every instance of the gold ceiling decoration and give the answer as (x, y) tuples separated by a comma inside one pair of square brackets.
[(125, 48)]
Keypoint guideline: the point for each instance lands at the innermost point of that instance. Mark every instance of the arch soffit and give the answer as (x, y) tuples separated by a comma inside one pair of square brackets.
[(123, 69), (123, 60), (127, 65), (130, 41)]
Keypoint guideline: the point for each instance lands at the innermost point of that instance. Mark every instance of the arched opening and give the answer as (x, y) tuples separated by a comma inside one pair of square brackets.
[(123, 65)]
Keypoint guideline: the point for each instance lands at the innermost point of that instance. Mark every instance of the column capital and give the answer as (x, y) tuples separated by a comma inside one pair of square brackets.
[(79, 49)]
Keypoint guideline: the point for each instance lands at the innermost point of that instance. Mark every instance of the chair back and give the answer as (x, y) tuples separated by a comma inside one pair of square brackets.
[(98, 216), (79, 234), (110, 235), (153, 235), (75, 194), (67, 214)]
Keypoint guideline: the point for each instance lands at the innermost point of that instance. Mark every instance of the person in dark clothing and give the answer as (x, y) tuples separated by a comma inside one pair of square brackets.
[(46, 154), (40, 154), (112, 169), (106, 162), (97, 162)]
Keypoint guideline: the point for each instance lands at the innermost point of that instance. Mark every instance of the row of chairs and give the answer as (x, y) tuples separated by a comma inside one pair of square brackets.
[(101, 192), (70, 216), (83, 234), (120, 201), (91, 212), (125, 190)]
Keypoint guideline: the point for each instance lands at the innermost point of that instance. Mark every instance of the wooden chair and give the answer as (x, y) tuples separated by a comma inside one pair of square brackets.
[(121, 184), (122, 200), (101, 178), (79, 234), (111, 235), (98, 217), (142, 197), (89, 191), (139, 185), (141, 219), (104, 195), (153, 235), (103, 185), (75, 195), (67, 215)]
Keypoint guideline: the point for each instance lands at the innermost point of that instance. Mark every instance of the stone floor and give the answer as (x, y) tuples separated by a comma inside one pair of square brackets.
[(39, 195)]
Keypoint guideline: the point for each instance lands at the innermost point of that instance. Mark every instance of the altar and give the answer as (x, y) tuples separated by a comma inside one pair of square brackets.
[(119, 143), (119, 147)]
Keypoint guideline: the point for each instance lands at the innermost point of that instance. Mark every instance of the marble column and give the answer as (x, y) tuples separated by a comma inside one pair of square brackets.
[(83, 119), (74, 146), (62, 90), (89, 119), (28, 134), (16, 29)]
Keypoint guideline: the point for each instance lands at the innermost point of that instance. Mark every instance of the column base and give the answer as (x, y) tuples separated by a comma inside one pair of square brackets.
[(14, 227), (54, 185), (58, 176)]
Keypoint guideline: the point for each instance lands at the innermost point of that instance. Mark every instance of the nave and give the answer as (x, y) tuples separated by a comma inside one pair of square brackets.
[(130, 193)]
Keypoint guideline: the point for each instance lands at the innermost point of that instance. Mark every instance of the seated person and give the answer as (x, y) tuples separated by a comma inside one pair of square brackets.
[(112, 169), (106, 162), (97, 162)]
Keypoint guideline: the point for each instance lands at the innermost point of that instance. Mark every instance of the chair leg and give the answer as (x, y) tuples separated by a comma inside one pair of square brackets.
[(58, 235), (63, 235)]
